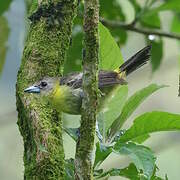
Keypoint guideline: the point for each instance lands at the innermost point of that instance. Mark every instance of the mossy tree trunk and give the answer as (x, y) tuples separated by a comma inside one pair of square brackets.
[(44, 54), (85, 145)]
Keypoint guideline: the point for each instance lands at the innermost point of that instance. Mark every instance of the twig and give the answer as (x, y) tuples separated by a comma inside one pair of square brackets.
[(130, 27), (85, 145)]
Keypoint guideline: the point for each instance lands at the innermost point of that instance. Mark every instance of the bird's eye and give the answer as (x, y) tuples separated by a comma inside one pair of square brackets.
[(43, 83)]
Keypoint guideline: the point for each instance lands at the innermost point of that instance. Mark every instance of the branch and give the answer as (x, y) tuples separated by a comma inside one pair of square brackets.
[(130, 27), (85, 145), (44, 55)]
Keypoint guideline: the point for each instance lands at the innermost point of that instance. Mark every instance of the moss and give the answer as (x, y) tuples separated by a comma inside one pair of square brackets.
[(43, 55), (84, 151)]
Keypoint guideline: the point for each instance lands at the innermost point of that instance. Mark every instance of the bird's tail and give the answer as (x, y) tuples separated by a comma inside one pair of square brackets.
[(136, 61)]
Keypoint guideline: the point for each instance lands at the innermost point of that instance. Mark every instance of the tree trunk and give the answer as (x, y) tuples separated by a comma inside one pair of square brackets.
[(44, 54)]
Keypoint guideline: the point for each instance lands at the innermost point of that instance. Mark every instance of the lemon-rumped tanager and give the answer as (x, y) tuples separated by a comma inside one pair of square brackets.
[(65, 94)]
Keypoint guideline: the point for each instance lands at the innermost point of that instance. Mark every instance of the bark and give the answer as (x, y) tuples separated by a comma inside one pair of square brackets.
[(44, 54), (85, 145)]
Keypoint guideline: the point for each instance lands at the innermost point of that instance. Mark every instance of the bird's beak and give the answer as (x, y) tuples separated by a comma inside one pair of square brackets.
[(32, 89)]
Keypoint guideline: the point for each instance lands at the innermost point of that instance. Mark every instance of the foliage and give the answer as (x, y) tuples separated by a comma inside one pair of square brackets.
[(127, 142), (4, 32), (4, 6), (118, 109), (130, 106), (146, 17)]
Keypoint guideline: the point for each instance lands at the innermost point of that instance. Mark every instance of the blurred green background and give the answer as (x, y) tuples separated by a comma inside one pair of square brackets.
[(13, 30)]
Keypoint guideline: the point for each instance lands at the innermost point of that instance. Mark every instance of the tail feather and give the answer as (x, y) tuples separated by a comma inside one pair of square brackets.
[(136, 61)]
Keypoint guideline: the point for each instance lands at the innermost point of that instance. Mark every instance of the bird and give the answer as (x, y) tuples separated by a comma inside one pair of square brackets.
[(65, 94)]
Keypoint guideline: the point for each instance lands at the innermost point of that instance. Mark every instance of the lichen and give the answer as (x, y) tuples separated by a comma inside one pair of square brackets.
[(43, 55)]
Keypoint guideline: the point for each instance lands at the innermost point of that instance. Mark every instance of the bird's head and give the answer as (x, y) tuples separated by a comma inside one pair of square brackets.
[(45, 86)]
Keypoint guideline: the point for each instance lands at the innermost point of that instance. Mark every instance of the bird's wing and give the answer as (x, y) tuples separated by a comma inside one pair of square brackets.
[(109, 78), (106, 79), (72, 79)]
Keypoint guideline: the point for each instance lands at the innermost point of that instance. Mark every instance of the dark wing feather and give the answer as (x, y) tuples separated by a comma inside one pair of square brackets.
[(136, 61), (72, 79), (109, 78), (106, 78)]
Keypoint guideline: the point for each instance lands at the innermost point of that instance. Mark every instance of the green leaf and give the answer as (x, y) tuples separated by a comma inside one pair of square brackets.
[(102, 152), (128, 172), (111, 10), (97, 172), (110, 55), (110, 59), (113, 106), (151, 122), (156, 54), (141, 139), (130, 106), (4, 33), (33, 6), (136, 6), (4, 5), (73, 61), (69, 169), (141, 156), (119, 35), (74, 55), (72, 132), (155, 177), (152, 21), (172, 5), (175, 26)]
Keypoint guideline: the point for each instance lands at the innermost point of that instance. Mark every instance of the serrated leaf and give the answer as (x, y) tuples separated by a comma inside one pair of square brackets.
[(151, 122), (156, 54), (141, 156), (131, 105), (110, 55), (128, 172), (102, 152)]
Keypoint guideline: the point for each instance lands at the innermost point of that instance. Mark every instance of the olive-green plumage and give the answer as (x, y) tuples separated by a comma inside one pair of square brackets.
[(66, 94)]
